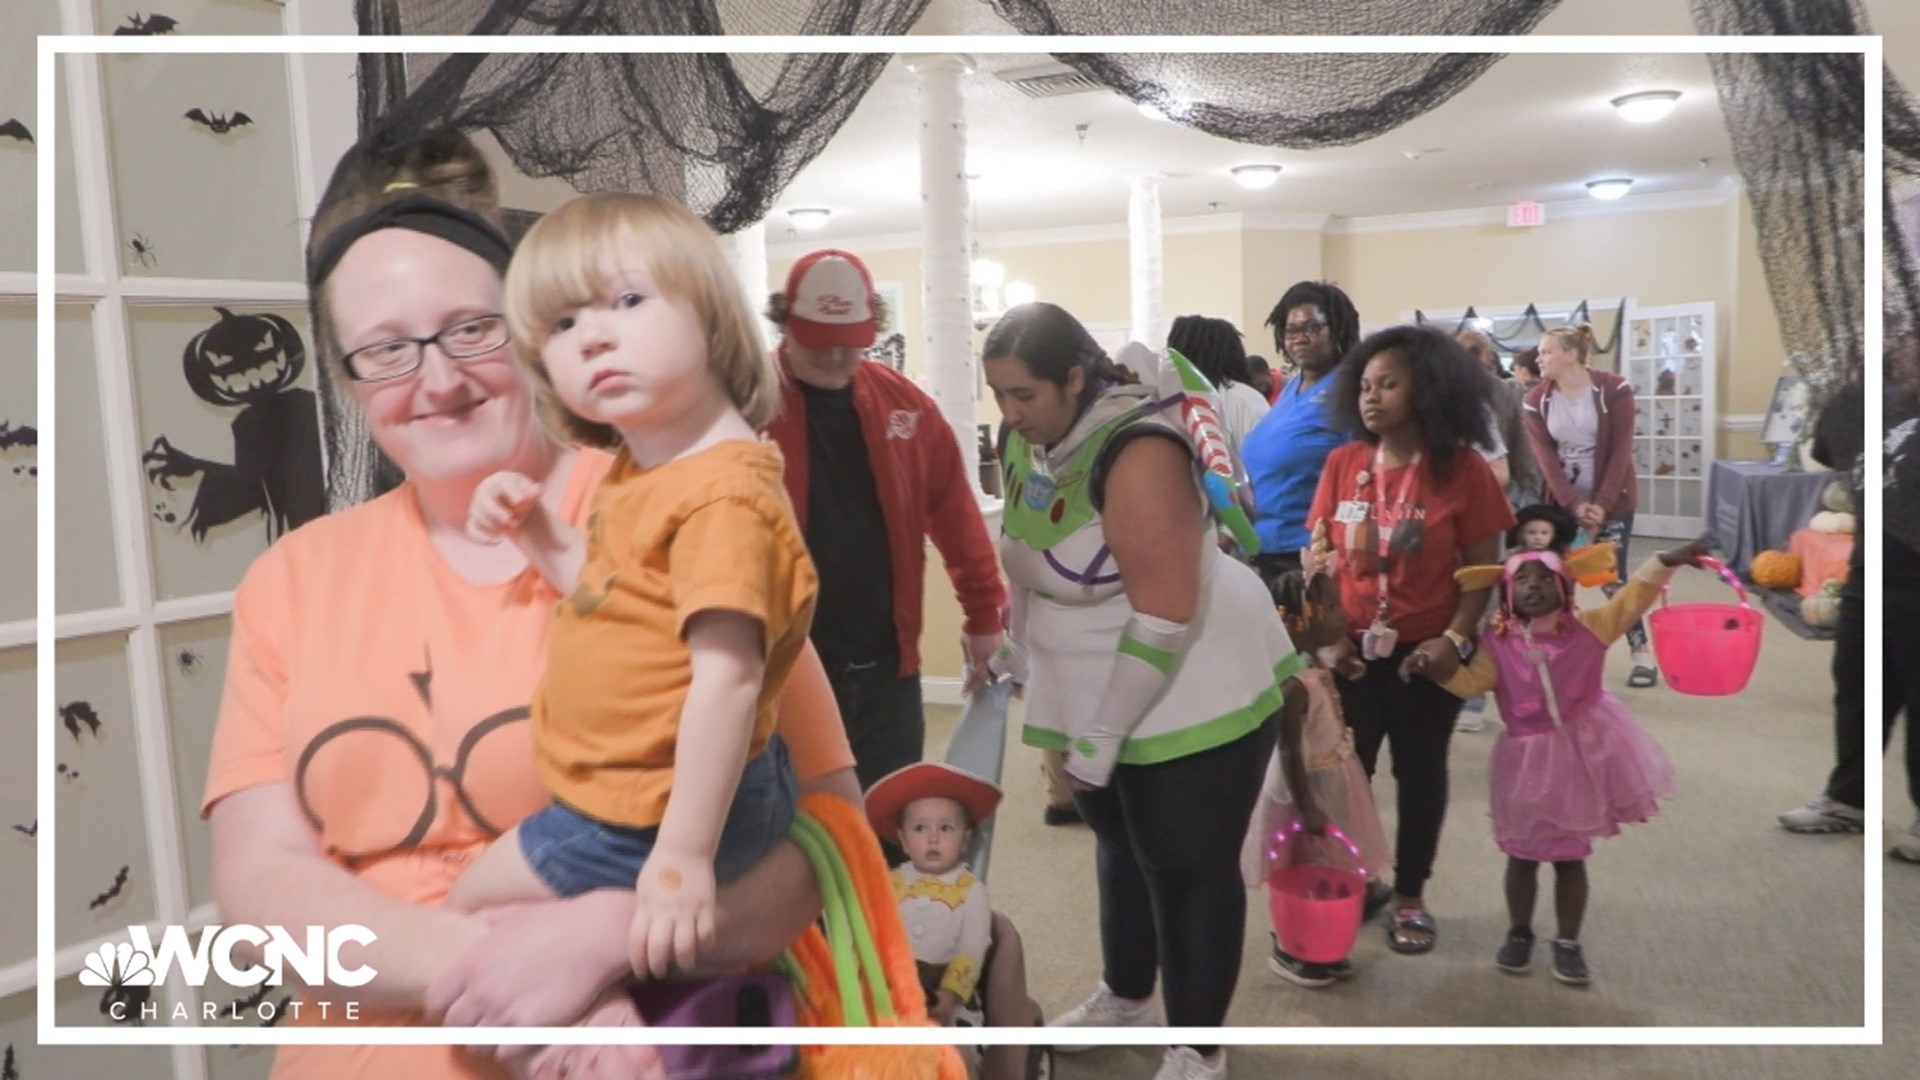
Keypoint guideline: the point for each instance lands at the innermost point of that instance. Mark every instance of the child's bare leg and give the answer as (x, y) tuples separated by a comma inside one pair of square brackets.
[(499, 876), (1005, 989), (1523, 887), (1570, 897)]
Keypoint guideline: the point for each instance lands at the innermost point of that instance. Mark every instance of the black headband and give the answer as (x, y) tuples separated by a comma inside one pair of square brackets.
[(422, 214)]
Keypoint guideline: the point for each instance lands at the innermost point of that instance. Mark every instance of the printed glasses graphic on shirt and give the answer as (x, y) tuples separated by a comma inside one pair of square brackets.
[(366, 753)]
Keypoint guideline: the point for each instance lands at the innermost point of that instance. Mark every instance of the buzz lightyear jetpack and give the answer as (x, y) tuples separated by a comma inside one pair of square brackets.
[(1179, 381)]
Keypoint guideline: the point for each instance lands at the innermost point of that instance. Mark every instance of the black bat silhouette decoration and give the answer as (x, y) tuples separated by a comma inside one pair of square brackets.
[(139, 25), (113, 893), (16, 129), (77, 713), (279, 1013), (23, 435), (131, 997), (30, 830), (219, 123), (259, 995)]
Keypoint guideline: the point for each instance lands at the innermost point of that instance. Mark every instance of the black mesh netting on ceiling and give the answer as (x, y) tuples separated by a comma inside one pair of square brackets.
[(726, 133)]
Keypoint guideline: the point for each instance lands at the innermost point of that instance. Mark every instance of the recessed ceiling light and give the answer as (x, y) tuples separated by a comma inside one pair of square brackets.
[(1645, 108), (1255, 177), (809, 219), (1608, 190)]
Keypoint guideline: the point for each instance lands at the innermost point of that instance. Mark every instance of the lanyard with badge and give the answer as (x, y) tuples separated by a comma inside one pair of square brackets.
[(1378, 642)]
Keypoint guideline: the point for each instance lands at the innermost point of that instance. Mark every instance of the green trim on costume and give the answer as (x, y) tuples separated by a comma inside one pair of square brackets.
[(1222, 729), (1160, 660), (1037, 528)]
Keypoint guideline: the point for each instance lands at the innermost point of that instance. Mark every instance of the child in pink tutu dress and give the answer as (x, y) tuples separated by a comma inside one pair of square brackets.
[(1322, 744), (1572, 765)]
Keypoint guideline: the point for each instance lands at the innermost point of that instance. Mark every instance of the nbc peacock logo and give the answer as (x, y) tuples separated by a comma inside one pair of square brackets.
[(116, 966)]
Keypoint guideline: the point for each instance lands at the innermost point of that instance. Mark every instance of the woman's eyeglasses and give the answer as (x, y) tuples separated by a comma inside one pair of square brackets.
[(396, 358), (1305, 331)]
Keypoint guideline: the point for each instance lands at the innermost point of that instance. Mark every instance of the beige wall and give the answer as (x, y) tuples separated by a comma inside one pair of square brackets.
[(1272, 260), (1660, 257)]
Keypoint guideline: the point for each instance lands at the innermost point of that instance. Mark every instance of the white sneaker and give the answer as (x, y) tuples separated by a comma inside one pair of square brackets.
[(1185, 1063), (1103, 1009), (1824, 815), (1907, 848)]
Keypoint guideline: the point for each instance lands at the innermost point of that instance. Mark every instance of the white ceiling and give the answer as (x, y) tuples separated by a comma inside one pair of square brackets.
[(1534, 127)]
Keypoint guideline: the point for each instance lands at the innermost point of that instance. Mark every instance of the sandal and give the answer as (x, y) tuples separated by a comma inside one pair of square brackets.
[(1643, 676), (1403, 919)]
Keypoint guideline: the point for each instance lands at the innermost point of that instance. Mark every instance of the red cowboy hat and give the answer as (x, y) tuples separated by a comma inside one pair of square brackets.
[(889, 795)]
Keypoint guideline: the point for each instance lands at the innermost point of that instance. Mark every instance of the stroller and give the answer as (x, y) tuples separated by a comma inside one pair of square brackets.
[(979, 746)]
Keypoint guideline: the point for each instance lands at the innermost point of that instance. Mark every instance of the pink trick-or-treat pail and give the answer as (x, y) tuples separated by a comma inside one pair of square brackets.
[(1707, 650)]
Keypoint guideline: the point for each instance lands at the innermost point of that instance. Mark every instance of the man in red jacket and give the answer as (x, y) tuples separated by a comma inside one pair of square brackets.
[(873, 470)]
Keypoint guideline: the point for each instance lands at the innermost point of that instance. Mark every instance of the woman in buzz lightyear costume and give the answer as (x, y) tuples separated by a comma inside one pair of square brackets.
[(1156, 664)]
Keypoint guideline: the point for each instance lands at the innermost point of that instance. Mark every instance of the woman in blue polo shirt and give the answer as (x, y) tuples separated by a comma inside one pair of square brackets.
[(1314, 324)]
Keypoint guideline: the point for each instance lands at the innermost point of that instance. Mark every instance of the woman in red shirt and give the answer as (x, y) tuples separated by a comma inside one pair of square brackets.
[(1396, 513)]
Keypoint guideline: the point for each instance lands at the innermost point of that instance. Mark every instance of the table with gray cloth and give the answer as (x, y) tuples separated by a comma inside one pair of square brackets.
[(1755, 506)]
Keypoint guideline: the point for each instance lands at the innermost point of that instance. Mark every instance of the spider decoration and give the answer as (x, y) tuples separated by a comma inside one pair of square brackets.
[(188, 662), (143, 250)]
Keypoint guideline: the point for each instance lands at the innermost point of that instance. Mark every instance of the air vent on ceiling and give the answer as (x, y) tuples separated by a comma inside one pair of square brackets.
[(1047, 81)]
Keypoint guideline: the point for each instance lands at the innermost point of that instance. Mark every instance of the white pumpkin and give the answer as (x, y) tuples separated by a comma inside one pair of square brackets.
[(1832, 521), (1822, 609)]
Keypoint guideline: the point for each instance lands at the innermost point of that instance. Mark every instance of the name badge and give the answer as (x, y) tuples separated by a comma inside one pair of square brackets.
[(1350, 512), (1039, 491)]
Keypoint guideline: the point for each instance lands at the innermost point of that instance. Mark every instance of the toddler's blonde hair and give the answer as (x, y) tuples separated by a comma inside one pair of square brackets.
[(558, 269)]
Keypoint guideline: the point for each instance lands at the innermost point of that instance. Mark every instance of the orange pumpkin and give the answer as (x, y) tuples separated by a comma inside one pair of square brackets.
[(1776, 570)]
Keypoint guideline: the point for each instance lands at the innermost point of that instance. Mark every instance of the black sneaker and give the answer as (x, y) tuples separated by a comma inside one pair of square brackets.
[(1062, 815), (1343, 969), (1516, 955), (1300, 972), (1569, 965), (1378, 894)]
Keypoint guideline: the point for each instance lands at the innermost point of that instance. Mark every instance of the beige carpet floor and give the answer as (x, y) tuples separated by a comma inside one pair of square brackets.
[(1709, 916)]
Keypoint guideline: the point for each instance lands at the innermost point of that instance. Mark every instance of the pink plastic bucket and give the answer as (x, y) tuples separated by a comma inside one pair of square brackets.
[(1316, 910), (1707, 650)]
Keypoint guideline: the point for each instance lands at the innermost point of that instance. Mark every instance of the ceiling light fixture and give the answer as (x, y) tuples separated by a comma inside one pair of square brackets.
[(1610, 189), (1255, 177), (809, 219), (1647, 107)]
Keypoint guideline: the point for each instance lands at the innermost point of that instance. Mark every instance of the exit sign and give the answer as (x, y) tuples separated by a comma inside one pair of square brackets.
[(1523, 214)]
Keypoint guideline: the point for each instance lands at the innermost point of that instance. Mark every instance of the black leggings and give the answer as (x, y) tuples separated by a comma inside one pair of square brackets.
[(1417, 718), (1172, 902), (1900, 677)]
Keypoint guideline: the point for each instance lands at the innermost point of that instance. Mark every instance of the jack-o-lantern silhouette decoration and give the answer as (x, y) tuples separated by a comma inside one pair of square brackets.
[(250, 361)]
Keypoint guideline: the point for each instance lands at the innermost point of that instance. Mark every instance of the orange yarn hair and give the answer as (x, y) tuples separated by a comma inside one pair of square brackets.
[(819, 1001)]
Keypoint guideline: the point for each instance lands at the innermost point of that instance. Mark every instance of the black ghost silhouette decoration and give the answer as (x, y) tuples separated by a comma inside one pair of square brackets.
[(250, 361)]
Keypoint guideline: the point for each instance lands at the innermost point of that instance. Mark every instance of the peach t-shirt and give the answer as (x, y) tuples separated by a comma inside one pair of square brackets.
[(355, 652)]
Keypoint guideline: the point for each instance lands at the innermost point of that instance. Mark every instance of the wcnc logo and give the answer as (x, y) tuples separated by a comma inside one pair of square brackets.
[(316, 961)]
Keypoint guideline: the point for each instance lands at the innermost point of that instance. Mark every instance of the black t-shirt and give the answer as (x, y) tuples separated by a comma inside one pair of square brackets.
[(847, 536)]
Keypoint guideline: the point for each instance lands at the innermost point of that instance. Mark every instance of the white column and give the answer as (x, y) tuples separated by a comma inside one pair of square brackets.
[(1146, 322), (946, 232), (748, 251)]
